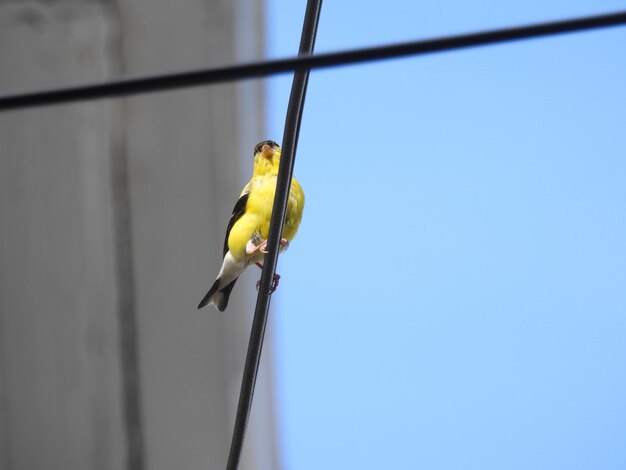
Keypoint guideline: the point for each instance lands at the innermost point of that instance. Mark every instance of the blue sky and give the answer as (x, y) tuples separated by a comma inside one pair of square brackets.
[(456, 297)]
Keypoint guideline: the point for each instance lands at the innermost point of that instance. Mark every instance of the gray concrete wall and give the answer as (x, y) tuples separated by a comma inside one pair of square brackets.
[(112, 216)]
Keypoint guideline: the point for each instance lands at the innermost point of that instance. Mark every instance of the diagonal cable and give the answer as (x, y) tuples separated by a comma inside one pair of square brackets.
[(285, 173)]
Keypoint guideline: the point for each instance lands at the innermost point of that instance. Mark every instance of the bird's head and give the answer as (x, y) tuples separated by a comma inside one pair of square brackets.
[(266, 157)]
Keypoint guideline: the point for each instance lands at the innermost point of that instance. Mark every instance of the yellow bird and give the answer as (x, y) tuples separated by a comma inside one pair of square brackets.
[(246, 235)]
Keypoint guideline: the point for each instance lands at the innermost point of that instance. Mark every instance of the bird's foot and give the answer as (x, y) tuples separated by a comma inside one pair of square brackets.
[(251, 247), (262, 247), (274, 285), (275, 281)]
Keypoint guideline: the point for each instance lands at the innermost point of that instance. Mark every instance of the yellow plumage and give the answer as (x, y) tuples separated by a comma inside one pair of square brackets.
[(248, 229)]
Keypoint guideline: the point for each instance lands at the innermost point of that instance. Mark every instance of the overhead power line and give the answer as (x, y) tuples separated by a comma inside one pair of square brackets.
[(207, 76)]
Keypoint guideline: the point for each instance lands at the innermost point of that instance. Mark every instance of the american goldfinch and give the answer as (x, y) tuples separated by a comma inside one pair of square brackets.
[(246, 235)]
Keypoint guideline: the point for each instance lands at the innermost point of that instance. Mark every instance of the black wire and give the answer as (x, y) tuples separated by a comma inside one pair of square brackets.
[(271, 67), (279, 209)]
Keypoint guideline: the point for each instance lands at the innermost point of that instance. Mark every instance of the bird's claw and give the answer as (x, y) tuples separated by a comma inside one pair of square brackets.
[(251, 247), (262, 247), (274, 285)]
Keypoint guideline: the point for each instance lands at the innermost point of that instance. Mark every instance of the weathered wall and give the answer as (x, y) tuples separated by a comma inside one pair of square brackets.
[(111, 222)]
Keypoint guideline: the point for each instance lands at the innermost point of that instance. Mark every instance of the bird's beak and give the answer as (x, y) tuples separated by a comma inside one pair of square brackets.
[(267, 151)]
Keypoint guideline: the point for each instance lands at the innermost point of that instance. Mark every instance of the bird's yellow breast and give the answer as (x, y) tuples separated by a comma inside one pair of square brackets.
[(255, 222)]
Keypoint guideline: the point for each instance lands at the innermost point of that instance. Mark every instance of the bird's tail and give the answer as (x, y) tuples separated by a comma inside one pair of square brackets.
[(218, 296)]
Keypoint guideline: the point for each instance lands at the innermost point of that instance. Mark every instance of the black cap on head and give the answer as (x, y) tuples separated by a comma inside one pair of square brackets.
[(258, 147)]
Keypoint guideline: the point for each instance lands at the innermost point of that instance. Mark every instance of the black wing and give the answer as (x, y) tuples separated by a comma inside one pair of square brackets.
[(240, 208)]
